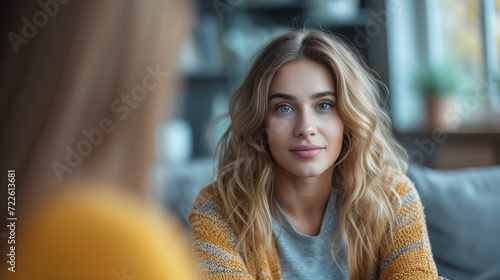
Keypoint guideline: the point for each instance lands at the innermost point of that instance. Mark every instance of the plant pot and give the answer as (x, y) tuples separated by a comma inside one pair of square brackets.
[(440, 112)]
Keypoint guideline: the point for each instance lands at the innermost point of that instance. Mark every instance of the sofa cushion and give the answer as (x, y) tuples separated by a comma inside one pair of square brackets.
[(462, 209)]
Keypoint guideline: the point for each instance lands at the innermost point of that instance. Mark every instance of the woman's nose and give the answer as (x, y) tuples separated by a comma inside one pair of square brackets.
[(305, 126)]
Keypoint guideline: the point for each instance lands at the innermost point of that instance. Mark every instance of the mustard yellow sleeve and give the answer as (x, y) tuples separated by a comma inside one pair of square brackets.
[(214, 240), (409, 256), (98, 233)]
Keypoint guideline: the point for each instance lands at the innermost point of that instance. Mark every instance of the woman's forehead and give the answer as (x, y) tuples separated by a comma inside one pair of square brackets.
[(302, 77)]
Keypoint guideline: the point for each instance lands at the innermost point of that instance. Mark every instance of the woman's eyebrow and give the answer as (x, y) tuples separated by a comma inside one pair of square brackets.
[(282, 95), (323, 94), (291, 97)]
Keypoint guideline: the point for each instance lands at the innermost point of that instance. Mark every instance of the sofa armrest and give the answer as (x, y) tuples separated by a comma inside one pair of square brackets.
[(462, 209)]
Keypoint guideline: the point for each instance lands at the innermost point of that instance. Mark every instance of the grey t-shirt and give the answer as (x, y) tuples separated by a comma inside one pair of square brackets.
[(309, 257)]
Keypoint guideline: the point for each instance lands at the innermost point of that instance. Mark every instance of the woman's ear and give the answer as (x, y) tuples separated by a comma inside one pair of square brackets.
[(262, 134), (262, 138)]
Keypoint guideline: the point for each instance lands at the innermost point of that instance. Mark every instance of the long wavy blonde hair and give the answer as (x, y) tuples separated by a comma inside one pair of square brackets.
[(366, 170)]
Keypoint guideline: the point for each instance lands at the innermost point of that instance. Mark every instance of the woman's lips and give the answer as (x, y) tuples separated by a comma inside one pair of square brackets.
[(307, 151)]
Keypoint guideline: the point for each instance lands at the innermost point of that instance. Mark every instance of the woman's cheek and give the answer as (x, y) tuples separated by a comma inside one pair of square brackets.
[(275, 126)]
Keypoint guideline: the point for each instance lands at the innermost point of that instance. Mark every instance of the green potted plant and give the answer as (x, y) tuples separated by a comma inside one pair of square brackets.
[(438, 84)]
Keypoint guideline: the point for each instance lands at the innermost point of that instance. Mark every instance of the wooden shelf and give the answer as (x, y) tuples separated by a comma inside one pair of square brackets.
[(452, 150)]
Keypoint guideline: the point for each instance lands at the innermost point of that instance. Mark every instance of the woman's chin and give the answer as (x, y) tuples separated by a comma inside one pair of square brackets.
[(305, 172)]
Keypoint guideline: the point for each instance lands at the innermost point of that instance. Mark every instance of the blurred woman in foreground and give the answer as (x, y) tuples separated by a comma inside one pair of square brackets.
[(84, 87)]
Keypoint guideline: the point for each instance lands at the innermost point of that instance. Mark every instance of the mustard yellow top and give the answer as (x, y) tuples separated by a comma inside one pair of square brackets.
[(93, 234), (214, 242)]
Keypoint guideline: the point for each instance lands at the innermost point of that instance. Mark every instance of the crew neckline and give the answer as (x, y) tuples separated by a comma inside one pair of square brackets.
[(326, 221)]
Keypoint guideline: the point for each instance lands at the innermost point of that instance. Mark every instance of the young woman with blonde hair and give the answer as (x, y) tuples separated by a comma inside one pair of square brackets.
[(311, 183)]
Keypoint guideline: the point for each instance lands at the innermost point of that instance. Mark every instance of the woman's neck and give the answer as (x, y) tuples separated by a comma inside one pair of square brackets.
[(303, 200)]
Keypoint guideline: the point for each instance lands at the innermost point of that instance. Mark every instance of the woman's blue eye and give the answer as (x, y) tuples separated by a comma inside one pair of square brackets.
[(325, 106), (284, 108)]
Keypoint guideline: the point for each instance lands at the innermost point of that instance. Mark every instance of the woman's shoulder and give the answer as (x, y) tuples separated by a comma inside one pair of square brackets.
[(208, 202), (211, 230), (403, 186), (208, 195)]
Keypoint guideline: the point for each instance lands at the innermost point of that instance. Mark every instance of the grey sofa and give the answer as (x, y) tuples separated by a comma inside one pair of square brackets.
[(462, 209)]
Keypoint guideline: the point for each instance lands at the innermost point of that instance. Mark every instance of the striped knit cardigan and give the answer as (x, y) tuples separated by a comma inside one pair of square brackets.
[(214, 242)]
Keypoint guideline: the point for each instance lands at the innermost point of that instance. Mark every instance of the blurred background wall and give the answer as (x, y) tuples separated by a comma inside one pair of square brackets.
[(438, 58)]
